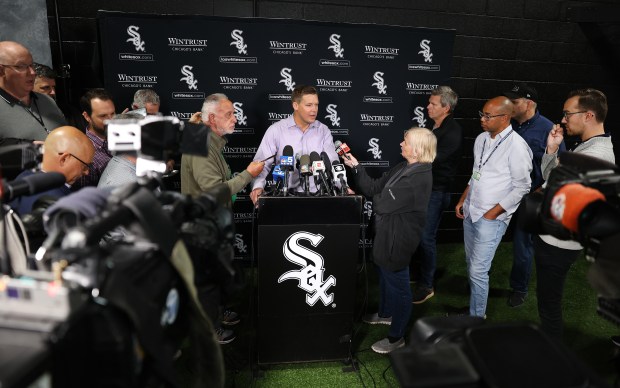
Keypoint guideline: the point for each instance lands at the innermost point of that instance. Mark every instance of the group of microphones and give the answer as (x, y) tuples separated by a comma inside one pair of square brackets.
[(330, 178)]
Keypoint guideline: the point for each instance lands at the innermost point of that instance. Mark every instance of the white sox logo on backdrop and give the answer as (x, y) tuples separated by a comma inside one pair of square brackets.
[(242, 119), (287, 79), (310, 275), (189, 77), (419, 116), (333, 115), (426, 50), (374, 148), (135, 39), (241, 246), (368, 209), (334, 39), (238, 41), (380, 82)]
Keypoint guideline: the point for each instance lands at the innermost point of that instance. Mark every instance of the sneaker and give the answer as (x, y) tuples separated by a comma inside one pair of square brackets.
[(375, 319), (384, 346), (421, 294), (224, 336), (516, 298), (230, 318)]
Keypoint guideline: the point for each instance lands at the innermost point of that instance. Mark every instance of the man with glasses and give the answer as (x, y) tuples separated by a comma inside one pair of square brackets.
[(500, 178), (97, 106), (26, 115), (68, 151), (583, 116), (534, 129)]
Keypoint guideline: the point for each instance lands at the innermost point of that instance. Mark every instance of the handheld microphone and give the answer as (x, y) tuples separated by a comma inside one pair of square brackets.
[(318, 169), (570, 201), (340, 175), (342, 149), (286, 165), (328, 171), (31, 184), (304, 171)]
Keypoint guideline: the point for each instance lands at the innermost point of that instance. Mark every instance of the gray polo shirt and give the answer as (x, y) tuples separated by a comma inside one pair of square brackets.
[(28, 123)]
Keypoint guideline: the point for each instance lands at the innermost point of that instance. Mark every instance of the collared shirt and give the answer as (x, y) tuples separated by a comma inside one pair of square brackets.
[(535, 132), (504, 165), (32, 122), (100, 161), (285, 132), (118, 172)]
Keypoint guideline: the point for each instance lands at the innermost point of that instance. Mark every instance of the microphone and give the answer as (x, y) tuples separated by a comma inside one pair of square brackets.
[(570, 201), (304, 171), (31, 184), (318, 169), (328, 171), (278, 177), (286, 165), (340, 174), (342, 149)]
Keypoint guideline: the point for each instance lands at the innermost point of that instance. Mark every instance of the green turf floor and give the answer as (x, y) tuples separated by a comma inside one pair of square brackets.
[(586, 334)]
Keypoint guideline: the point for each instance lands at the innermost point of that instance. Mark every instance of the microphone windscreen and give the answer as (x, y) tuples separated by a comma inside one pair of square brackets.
[(569, 201), (304, 160), (314, 156), (337, 143), (287, 151), (326, 161)]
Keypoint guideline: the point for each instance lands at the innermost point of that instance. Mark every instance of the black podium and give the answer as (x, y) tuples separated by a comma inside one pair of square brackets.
[(307, 260)]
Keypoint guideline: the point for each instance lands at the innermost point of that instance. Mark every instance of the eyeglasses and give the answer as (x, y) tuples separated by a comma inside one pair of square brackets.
[(86, 165), (567, 114), (20, 68), (488, 117)]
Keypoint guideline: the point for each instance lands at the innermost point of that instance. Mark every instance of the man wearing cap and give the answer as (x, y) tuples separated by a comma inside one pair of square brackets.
[(534, 128)]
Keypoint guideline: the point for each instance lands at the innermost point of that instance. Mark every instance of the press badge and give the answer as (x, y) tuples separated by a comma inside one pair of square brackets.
[(476, 175)]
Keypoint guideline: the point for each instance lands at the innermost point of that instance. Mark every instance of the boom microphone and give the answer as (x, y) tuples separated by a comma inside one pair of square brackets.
[(31, 184)]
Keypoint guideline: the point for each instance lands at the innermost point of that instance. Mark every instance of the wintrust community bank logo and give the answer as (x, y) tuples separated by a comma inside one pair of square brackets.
[(139, 46), (242, 120), (310, 276), (239, 152), (287, 48), (325, 85), (187, 44), (420, 89), (334, 119), (287, 81), (419, 116), (240, 245), (239, 44), (376, 120), (376, 153), (136, 81), (191, 82), (338, 51), (238, 83), (374, 52), (381, 86), (427, 55)]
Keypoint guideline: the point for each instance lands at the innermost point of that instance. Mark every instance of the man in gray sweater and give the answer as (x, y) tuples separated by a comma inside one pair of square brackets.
[(584, 114)]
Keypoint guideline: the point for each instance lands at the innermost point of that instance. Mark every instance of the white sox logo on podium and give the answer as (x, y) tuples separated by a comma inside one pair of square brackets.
[(310, 276)]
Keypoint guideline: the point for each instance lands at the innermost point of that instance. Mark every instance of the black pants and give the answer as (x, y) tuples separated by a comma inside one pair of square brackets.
[(552, 265)]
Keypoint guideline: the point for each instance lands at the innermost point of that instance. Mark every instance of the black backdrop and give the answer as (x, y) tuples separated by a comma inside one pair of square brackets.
[(373, 80)]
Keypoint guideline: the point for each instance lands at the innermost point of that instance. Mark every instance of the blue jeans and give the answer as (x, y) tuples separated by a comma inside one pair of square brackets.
[(481, 240), (523, 254), (438, 203), (395, 299)]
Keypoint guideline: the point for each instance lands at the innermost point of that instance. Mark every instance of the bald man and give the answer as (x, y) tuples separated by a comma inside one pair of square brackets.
[(500, 178), (67, 150), (26, 115)]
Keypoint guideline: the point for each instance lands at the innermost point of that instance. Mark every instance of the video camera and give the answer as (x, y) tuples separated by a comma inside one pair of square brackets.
[(582, 203)]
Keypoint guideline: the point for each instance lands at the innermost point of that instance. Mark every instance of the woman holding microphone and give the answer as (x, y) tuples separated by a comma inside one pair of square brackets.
[(400, 199)]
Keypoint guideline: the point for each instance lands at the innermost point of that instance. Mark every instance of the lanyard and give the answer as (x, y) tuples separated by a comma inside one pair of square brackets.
[(480, 164), (40, 118)]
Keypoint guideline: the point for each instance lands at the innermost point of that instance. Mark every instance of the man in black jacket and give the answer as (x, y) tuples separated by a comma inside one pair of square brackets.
[(449, 135)]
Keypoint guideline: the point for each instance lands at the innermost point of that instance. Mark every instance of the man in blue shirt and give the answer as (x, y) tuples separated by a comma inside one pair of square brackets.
[(534, 129)]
